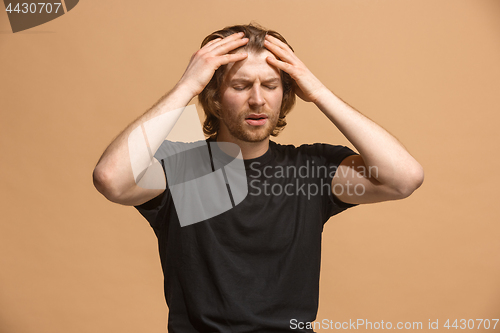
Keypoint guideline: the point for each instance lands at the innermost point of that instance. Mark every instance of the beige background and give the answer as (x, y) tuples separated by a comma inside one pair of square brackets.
[(427, 71)]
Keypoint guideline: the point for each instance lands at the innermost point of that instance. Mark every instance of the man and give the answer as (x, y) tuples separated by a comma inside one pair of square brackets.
[(254, 267)]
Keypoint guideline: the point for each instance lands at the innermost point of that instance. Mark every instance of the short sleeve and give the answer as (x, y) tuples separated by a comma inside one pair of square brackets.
[(181, 163), (154, 210), (333, 156)]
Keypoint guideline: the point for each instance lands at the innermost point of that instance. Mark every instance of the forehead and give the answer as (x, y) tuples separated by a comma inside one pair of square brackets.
[(253, 67)]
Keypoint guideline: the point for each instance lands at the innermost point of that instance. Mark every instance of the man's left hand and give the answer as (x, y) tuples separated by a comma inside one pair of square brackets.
[(307, 86)]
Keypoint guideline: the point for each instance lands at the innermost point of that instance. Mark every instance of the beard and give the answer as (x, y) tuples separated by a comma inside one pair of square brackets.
[(241, 130)]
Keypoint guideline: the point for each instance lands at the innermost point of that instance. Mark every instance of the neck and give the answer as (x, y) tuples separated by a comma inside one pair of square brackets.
[(249, 150)]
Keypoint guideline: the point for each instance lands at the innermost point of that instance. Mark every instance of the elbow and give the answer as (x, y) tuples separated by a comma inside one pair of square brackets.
[(102, 183), (412, 181)]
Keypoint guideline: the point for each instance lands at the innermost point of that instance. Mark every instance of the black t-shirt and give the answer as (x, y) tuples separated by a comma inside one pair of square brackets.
[(255, 267)]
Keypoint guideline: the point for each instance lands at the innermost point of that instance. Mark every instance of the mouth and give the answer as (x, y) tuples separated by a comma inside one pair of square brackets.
[(256, 119)]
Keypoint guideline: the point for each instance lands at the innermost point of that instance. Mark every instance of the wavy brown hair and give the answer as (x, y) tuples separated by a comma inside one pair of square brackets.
[(209, 98)]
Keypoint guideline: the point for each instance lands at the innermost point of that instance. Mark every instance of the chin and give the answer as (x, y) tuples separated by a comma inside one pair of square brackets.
[(257, 139), (253, 136)]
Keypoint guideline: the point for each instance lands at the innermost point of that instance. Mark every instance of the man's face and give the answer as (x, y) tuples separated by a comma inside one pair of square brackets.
[(251, 96)]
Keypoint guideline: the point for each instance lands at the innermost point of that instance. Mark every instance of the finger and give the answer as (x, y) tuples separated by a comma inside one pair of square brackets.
[(232, 57), (212, 42), (232, 45), (225, 40), (280, 65), (278, 42), (277, 45), (285, 55)]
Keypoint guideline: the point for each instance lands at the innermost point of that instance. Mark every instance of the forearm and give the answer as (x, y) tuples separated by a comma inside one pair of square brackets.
[(124, 160), (384, 156)]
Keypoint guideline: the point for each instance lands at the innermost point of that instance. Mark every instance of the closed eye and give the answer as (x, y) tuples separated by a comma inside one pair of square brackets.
[(241, 88)]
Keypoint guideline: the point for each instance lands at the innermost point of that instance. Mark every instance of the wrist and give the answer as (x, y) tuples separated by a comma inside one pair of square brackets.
[(321, 96), (185, 89)]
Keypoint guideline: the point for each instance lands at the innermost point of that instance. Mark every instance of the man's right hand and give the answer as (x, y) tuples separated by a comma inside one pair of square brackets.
[(208, 59)]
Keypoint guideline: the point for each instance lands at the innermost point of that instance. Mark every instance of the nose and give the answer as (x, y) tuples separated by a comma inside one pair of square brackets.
[(256, 99)]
